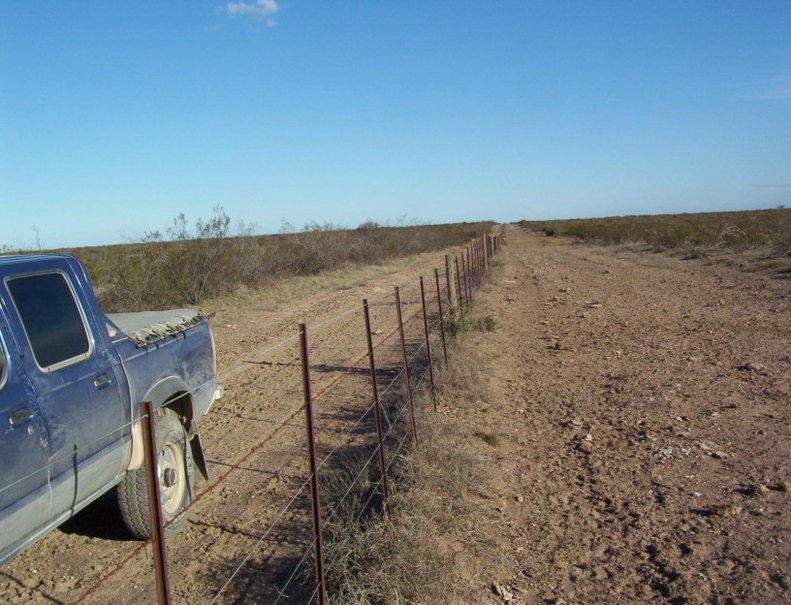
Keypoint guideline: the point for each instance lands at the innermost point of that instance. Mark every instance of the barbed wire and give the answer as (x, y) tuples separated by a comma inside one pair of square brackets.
[(281, 591), (392, 424), (261, 538)]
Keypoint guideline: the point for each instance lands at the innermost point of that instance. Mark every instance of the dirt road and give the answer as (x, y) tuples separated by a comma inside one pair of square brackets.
[(642, 408), (640, 405), (260, 511)]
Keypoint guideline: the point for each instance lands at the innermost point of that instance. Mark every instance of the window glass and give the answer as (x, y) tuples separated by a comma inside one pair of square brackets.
[(50, 316)]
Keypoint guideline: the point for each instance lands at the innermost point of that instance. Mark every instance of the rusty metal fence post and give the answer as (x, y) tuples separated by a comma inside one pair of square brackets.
[(479, 246), (155, 520), (465, 263), (477, 260), (448, 284), (458, 285), (377, 413), (441, 317), (428, 344), (471, 269), (470, 276), (314, 477), (471, 258), (463, 280), (478, 264), (406, 363)]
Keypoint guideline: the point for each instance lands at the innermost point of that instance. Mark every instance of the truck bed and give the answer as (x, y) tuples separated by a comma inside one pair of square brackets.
[(149, 326)]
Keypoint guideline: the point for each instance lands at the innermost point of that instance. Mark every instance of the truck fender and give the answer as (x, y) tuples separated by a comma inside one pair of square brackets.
[(158, 395), (196, 445)]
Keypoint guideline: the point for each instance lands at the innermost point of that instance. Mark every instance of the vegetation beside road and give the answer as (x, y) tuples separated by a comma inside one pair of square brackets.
[(693, 233), (185, 264), (442, 525)]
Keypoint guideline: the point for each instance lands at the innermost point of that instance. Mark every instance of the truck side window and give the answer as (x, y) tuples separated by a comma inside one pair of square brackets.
[(51, 317)]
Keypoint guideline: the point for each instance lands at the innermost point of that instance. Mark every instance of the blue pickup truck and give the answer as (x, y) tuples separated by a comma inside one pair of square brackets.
[(71, 380)]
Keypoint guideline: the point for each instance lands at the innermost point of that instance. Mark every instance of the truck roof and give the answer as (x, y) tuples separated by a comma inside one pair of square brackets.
[(17, 259)]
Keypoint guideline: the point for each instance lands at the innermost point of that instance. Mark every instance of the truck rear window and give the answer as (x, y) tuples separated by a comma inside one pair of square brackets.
[(50, 316)]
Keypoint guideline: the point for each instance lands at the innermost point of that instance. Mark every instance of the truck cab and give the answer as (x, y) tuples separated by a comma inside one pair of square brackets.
[(70, 385)]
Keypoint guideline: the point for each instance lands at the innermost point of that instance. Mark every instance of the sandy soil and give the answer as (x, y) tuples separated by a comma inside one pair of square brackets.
[(642, 405)]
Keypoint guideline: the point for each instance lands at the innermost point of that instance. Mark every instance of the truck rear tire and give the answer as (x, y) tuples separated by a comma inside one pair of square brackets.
[(175, 482)]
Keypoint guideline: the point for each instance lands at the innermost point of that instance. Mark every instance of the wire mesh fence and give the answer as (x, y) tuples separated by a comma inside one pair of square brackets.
[(272, 524)]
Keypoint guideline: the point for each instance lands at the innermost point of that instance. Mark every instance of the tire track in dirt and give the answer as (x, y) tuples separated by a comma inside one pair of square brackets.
[(643, 405)]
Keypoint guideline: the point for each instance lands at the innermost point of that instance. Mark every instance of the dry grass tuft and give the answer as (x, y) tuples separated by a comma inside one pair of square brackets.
[(440, 521)]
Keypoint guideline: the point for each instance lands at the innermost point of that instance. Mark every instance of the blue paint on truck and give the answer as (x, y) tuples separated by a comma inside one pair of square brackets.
[(71, 380)]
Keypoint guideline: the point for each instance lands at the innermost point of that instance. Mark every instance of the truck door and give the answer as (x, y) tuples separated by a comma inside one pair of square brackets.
[(73, 375), (24, 485)]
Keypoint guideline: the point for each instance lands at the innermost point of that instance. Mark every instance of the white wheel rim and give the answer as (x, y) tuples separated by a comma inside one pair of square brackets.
[(171, 479)]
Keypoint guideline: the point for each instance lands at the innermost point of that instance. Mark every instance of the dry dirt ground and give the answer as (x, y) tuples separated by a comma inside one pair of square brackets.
[(261, 508), (637, 417), (639, 411)]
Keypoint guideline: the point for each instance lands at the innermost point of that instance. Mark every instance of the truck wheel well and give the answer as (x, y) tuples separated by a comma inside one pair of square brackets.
[(180, 404)]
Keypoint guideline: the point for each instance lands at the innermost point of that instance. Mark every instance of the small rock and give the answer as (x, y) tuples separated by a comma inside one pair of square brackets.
[(784, 581), (587, 437), (751, 366), (520, 498), (719, 455), (502, 592), (758, 490), (725, 510)]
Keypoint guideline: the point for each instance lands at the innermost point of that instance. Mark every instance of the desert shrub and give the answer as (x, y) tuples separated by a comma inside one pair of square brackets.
[(185, 263), (710, 230), (182, 265)]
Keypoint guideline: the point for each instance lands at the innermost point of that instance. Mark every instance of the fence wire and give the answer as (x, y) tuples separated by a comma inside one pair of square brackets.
[(410, 295)]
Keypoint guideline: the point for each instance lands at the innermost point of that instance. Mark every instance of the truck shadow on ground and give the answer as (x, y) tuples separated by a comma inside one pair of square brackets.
[(100, 519)]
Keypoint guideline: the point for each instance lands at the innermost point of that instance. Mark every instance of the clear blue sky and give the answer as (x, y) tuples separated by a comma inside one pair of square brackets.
[(116, 116)]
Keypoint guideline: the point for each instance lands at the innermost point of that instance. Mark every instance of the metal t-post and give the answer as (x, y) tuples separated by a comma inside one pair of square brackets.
[(441, 317), (314, 476), (377, 413), (406, 364), (155, 520), (428, 343)]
